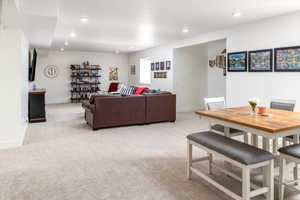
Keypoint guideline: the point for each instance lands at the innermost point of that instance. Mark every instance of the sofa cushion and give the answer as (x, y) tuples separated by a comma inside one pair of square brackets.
[(113, 87), (140, 90), (127, 91), (93, 96)]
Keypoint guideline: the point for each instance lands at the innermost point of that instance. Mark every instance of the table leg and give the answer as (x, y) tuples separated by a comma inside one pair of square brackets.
[(227, 131), (254, 140), (275, 146), (246, 138), (266, 146), (296, 172)]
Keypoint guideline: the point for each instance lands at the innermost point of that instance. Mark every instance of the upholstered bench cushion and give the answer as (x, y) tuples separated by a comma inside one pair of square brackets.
[(230, 148), (292, 150), (221, 128)]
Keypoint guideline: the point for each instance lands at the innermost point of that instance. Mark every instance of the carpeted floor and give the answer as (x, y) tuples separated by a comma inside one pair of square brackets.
[(63, 159)]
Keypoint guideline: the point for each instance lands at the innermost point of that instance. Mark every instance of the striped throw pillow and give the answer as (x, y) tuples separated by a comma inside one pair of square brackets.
[(127, 90)]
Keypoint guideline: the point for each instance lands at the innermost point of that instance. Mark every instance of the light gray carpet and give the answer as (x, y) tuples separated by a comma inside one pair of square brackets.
[(63, 159)]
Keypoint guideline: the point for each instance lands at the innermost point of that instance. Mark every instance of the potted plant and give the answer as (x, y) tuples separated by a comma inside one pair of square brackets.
[(253, 102)]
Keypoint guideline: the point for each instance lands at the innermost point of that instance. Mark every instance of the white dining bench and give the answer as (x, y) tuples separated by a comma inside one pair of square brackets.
[(236, 153)]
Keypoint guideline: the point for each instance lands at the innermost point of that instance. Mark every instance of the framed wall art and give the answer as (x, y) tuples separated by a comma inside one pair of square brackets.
[(287, 59), (160, 74), (162, 66), (132, 70), (152, 66), (168, 65), (113, 74), (157, 66), (261, 60), (237, 62)]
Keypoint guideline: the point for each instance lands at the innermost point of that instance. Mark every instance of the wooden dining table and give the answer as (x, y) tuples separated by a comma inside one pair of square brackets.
[(279, 123)]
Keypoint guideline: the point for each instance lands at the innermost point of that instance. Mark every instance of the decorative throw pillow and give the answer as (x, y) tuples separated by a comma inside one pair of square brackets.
[(121, 86), (127, 90), (113, 87), (140, 90)]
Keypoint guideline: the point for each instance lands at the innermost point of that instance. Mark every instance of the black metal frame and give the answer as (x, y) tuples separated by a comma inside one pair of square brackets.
[(157, 66), (162, 65), (258, 51), (275, 60), (246, 61)]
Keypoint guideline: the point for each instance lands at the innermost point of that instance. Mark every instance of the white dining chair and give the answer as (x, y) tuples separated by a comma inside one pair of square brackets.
[(288, 105), (218, 103)]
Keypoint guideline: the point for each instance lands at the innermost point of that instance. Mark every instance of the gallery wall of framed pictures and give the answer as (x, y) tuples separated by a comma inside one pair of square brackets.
[(284, 59), (160, 68)]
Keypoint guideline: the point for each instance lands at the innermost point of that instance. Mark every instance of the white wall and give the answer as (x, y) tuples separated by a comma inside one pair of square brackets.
[(58, 89), (197, 79), (216, 81), (190, 65), (155, 55), (277, 32), (13, 81), (269, 33)]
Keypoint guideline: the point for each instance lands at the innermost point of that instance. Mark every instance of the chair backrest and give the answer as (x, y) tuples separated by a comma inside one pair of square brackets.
[(216, 103), (283, 104)]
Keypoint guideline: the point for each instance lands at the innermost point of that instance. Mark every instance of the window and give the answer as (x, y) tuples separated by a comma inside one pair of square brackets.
[(145, 71)]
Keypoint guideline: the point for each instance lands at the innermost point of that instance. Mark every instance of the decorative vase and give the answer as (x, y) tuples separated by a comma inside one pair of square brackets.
[(253, 104)]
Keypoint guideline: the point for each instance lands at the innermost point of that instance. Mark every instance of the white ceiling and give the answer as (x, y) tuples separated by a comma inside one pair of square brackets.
[(131, 25)]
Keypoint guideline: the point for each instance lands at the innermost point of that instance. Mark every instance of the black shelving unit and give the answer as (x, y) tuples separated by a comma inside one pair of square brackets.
[(84, 81)]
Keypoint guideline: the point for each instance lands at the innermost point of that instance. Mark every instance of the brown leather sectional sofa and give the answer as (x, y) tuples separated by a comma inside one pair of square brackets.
[(117, 110)]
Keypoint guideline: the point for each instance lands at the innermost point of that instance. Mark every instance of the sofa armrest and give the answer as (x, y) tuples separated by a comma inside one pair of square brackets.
[(87, 105)]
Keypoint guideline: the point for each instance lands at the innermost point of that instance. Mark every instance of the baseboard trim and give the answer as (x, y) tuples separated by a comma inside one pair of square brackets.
[(14, 143)]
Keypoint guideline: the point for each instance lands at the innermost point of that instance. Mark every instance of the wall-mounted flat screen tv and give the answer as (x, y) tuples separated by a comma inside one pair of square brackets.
[(32, 64)]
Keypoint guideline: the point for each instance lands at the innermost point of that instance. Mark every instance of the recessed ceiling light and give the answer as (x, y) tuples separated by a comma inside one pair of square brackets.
[(66, 43), (185, 30), (84, 19), (73, 34), (62, 49), (237, 14)]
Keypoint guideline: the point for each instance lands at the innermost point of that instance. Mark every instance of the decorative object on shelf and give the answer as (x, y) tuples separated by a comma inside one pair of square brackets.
[(237, 62), (212, 63), (162, 66), (253, 102), (261, 60), (132, 70), (160, 74), (219, 61), (86, 64), (113, 74), (34, 87), (152, 66), (168, 65), (157, 66), (51, 71), (287, 59)]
